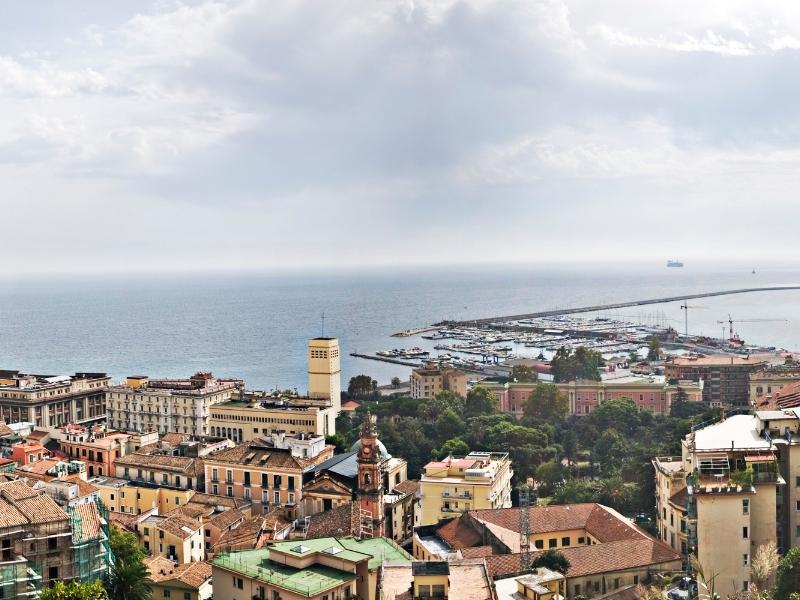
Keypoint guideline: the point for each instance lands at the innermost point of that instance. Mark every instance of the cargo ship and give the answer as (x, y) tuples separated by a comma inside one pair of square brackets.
[(674, 263)]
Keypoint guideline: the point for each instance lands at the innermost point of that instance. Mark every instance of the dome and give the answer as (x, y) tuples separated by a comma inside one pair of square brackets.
[(381, 448)]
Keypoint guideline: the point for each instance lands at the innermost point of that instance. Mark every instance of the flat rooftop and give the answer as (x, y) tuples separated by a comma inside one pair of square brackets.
[(716, 360), (738, 432), (308, 582)]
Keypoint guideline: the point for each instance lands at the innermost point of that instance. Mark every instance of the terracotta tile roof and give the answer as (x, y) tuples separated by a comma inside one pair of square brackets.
[(477, 552), (341, 521), (175, 439), (90, 524), (5, 429), (595, 559), (227, 518), (17, 490), (178, 464), (193, 510), (600, 521), (252, 533), (180, 525), (266, 458), (41, 509), (84, 487), (192, 575), (124, 520), (459, 534), (409, 486), (214, 500), (679, 498)]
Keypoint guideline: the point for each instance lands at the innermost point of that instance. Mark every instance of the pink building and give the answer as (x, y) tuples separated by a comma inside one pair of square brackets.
[(653, 394)]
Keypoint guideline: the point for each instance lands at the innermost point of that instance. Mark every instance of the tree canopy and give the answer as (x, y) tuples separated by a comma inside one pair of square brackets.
[(545, 403), (582, 363), (523, 374), (75, 590), (553, 560)]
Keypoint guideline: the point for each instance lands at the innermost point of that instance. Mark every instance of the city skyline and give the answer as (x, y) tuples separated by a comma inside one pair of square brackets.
[(248, 135)]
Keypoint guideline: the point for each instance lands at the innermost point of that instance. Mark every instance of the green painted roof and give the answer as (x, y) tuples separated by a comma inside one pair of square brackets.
[(312, 580), (309, 581)]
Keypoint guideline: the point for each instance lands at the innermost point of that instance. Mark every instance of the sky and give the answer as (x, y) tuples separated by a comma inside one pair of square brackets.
[(287, 135)]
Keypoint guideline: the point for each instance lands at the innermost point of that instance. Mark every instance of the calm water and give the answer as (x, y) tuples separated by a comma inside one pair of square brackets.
[(255, 326)]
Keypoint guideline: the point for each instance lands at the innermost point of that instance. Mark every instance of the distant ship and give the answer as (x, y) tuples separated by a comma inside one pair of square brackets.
[(674, 263)]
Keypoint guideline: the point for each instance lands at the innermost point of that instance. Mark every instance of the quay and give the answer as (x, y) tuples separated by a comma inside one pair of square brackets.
[(414, 331), (601, 307), (388, 359)]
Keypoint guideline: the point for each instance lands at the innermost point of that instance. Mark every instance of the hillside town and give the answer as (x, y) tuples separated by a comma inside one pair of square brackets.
[(673, 476)]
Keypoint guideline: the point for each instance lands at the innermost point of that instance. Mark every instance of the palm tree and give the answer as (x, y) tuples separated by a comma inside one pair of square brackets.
[(706, 584), (614, 491), (129, 580)]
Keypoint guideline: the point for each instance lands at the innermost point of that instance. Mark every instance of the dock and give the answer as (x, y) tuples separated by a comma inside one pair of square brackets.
[(415, 331), (602, 307), (387, 359)]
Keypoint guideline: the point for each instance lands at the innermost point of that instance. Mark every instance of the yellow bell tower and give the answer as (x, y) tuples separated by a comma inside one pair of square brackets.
[(324, 371)]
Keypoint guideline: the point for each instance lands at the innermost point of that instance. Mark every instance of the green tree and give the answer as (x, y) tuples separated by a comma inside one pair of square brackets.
[(574, 491), (361, 386), (569, 443), (395, 382), (620, 414), (75, 590), (615, 492), (553, 560), (581, 363), (480, 401), (128, 579), (454, 447), (549, 475), (545, 403), (339, 442), (787, 579), (523, 374), (654, 349), (449, 425)]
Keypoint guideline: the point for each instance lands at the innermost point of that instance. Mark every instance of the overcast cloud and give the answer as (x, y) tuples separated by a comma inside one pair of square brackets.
[(256, 134)]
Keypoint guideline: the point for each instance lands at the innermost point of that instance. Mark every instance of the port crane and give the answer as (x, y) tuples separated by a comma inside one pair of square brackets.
[(685, 307), (730, 322)]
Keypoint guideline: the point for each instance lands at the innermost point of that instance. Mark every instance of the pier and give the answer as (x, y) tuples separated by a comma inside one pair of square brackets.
[(601, 307)]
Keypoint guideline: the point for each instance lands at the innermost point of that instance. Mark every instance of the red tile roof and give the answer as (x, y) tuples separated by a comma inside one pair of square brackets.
[(595, 559), (459, 534)]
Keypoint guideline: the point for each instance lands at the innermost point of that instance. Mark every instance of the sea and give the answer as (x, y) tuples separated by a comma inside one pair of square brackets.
[(255, 326)]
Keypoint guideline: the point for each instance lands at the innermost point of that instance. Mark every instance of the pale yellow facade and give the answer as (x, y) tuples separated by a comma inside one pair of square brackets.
[(145, 405), (771, 380), (431, 379), (180, 549), (453, 486), (246, 421), (125, 497)]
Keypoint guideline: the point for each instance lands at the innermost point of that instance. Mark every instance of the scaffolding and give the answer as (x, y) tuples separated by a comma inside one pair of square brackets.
[(91, 552)]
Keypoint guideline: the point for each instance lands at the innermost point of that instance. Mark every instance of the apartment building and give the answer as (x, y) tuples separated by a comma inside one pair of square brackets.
[(94, 446), (432, 378), (168, 405), (52, 401), (651, 393), (726, 378), (123, 496), (457, 485), (258, 414), (332, 568), (735, 487), (268, 476), (178, 472)]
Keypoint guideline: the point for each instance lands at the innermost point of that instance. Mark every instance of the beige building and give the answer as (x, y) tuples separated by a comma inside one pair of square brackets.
[(429, 380), (177, 537), (190, 581), (258, 415), (467, 579), (269, 477), (325, 375), (178, 472), (456, 485), (52, 401), (726, 378), (332, 568), (122, 496), (727, 494), (167, 405)]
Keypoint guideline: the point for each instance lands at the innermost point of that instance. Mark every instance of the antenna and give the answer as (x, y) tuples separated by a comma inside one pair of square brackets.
[(323, 324), (525, 525)]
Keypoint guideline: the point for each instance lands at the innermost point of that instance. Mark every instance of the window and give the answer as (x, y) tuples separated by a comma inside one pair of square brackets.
[(229, 491), (229, 476), (539, 544), (240, 583), (277, 497), (797, 480), (577, 589), (616, 583), (565, 541), (52, 572), (166, 593), (797, 531), (745, 532), (581, 540), (745, 585), (745, 559), (276, 481), (746, 506), (552, 543), (290, 482), (177, 481), (215, 489), (635, 579), (264, 480), (247, 478), (214, 475), (187, 595)]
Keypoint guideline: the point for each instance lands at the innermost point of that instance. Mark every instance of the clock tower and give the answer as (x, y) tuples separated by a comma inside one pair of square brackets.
[(369, 490)]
